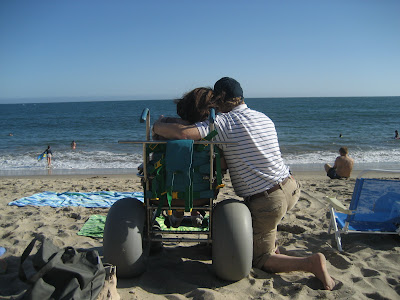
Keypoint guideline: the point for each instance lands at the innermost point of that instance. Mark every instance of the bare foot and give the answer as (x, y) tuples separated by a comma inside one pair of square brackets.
[(318, 268)]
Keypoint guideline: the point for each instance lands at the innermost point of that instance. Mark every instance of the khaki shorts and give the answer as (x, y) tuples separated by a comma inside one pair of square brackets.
[(266, 212)]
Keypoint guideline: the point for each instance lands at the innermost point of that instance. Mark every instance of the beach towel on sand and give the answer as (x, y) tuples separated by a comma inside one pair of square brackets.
[(94, 226), (92, 199)]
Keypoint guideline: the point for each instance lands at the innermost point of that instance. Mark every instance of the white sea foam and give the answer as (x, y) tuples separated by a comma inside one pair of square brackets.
[(69, 160), (370, 156), (81, 160)]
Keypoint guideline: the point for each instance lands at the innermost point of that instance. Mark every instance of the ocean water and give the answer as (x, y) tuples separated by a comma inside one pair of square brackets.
[(308, 131)]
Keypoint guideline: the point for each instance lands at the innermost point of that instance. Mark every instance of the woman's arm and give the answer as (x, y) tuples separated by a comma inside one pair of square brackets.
[(176, 131)]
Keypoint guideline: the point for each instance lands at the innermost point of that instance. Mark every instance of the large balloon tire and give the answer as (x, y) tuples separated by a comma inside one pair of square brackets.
[(123, 237), (232, 235)]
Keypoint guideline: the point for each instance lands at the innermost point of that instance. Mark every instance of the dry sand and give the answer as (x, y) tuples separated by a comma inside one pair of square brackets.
[(368, 269)]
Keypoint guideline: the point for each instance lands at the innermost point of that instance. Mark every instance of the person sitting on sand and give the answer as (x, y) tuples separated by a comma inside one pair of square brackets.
[(258, 174), (342, 167)]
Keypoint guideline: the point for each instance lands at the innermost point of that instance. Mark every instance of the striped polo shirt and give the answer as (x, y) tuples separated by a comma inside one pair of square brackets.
[(254, 161)]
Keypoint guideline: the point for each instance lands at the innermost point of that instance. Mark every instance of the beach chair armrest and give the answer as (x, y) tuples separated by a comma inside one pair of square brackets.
[(336, 204)]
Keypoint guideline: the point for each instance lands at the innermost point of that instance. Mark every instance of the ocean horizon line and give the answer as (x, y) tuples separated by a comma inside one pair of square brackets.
[(47, 100)]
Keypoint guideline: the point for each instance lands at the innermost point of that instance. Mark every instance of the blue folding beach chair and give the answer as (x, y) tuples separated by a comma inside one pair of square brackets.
[(374, 208)]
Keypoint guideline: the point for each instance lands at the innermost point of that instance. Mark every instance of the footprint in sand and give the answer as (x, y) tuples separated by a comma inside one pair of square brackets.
[(375, 295), (63, 234), (6, 235), (369, 272), (75, 216), (338, 261), (303, 203), (202, 293), (393, 281), (356, 279), (304, 218), (6, 225), (295, 229)]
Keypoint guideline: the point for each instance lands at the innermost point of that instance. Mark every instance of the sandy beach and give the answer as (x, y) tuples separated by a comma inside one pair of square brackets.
[(368, 269)]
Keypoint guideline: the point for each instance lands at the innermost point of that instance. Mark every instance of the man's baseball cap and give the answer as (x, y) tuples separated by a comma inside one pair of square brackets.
[(230, 86)]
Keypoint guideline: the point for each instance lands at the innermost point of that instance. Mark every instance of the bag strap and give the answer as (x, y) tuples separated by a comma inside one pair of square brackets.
[(24, 256), (44, 269), (47, 267)]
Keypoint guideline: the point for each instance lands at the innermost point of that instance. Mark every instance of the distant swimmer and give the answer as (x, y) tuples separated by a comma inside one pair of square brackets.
[(396, 135), (340, 135), (342, 167), (73, 145), (10, 134)]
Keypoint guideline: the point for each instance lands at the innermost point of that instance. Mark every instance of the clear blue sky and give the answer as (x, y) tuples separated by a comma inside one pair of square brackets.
[(118, 50)]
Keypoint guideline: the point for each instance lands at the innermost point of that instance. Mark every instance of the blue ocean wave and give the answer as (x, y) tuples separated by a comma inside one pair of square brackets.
[(309, 131)]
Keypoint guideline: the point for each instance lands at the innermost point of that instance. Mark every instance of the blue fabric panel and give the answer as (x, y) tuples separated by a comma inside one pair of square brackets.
[(365, 226), (376, 200), (178, 163), (201, 165), (179, 154)]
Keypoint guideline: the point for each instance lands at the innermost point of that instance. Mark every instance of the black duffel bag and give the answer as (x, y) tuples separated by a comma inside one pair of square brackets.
[(62, 273)]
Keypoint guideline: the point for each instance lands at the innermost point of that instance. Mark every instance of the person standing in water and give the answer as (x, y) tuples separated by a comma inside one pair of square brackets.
[(49, 154)]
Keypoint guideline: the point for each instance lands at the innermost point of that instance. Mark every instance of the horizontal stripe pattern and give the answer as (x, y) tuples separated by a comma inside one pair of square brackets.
[(254, 161)]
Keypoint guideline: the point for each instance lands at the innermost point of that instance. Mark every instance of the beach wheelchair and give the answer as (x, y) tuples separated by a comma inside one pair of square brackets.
[(180, 175)]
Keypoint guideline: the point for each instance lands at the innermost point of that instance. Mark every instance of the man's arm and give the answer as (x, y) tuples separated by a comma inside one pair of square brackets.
[(176, 131), (337, 160)]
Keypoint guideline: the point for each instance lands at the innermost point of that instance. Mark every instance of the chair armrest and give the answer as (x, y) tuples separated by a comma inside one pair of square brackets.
[(336, 204)]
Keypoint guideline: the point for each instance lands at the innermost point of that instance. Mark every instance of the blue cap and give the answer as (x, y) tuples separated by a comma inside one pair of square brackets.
[(230, 86)]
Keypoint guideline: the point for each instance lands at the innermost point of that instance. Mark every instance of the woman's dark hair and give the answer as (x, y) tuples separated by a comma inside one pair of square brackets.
[(195, 105)]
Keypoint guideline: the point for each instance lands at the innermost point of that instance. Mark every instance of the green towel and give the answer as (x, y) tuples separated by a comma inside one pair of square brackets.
[(94, 226), (161, 220)]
